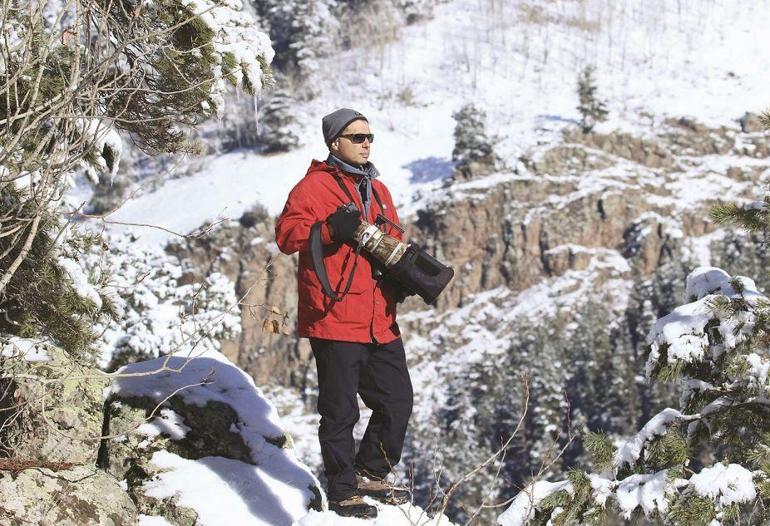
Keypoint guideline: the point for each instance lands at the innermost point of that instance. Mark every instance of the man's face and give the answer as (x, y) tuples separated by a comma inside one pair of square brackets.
[(346, 150)]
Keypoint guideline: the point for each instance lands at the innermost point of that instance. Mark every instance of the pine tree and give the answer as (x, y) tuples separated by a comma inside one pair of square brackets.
[(239, 129), (274, 128), (302, 32), (278, 124), (473, 153), (592, 109), (707, 463), (152, 71)]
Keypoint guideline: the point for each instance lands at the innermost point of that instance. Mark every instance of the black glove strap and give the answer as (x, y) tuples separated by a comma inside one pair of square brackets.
[(317, 253)]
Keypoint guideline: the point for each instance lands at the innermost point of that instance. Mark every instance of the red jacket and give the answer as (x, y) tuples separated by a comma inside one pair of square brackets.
[(365, 314)]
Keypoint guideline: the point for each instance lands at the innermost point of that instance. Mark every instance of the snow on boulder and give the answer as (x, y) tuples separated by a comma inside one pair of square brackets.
[(197, 441), (706, 280)]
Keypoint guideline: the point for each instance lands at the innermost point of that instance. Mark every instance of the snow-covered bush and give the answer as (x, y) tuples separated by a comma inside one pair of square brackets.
[(473, 146), (159, 310), (278, 125), (273, 129), (302, 31), (706, 463)]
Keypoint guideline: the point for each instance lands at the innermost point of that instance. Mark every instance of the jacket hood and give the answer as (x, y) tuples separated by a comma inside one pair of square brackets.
[(321, 166)]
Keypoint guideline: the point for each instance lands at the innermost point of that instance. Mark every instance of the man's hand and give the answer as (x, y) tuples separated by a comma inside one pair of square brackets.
[(343, 223), (394, 290)]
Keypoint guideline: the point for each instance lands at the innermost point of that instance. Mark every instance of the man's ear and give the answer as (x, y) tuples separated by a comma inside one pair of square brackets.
[(334, 145)]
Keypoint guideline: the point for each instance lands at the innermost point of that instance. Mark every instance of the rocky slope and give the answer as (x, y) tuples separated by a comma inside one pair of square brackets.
[(592, 198)]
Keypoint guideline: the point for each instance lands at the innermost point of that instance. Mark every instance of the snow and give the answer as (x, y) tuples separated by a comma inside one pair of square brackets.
[(759, 368), (301, 423), (152, 520), (523, 507), (98, 134), (682, 332), (275, 489), (80, 282), (647, 491), (601, 488), (732, 484), (168, 423), (25, 348), (628, 451), (711, 280), (225, 491), (203, 377)]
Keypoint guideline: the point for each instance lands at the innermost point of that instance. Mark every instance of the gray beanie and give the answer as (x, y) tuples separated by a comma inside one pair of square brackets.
[(334, 123)]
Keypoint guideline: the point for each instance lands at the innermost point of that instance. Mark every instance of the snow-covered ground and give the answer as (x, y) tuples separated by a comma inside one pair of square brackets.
[(516, 60)]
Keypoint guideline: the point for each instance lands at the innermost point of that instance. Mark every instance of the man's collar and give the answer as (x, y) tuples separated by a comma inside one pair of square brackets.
[(365, 170)]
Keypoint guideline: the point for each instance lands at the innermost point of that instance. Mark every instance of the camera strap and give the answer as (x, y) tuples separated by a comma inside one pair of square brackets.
[(317, 253)]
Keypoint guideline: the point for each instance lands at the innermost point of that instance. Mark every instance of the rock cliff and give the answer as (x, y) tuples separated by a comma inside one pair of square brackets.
[(564, 206)]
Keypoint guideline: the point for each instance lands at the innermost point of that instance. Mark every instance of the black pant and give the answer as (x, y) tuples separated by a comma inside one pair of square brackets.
[(379, 374)]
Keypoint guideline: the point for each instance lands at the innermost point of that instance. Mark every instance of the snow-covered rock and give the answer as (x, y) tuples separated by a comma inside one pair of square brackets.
[(195, 437)]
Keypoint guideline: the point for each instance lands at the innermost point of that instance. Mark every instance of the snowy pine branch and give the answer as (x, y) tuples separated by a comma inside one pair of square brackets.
[(705, 463)]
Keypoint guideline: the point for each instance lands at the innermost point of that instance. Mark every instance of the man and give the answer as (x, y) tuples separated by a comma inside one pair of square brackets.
[(352, 328)]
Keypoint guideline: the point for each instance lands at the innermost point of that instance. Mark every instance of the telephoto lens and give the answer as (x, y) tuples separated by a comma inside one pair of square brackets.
[(414, 269)]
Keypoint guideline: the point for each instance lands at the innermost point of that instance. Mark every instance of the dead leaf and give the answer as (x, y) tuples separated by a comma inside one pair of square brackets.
[(270, 326)]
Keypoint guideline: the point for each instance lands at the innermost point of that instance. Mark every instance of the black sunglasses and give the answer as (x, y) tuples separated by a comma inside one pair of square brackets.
[(358, 138)]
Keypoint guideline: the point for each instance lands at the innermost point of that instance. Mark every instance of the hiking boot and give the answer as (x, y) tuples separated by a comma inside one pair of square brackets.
[(353, 507), (381, 490)]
